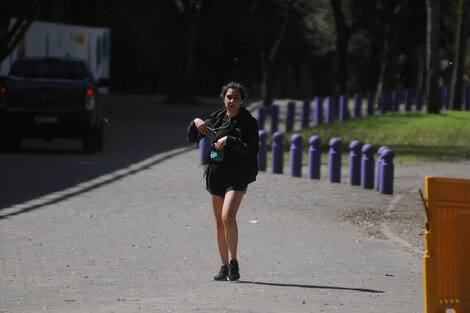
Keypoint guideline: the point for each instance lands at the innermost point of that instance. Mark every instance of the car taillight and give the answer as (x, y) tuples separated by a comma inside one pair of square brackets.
[(89, 100), (3, 96)]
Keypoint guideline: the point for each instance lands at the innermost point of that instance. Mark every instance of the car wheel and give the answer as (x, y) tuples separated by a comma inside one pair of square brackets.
[(93, 142)]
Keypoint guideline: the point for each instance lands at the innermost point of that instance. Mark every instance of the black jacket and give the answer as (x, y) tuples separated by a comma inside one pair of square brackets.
[(245, 145)]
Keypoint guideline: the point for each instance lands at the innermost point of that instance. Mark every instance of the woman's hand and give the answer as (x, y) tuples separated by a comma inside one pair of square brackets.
[(221, 143), (201, 126)]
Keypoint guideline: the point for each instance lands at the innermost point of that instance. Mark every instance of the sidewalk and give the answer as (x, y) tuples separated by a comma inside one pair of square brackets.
[(146, 243)]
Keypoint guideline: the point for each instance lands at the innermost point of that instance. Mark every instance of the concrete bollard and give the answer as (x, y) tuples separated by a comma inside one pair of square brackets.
[(314, 158), (343, 108), (290, 118), (367, 167), (334, 161), (387, 172), (355, 163), (370, 103), (419, 99), (204, 147), (408, 99), (357, 105), (296, 155), (379, 163), (306, 114), (330, 109), (318, 114), (277, 150), (263, 151), (384, 102), (261, 117), (274, 118)]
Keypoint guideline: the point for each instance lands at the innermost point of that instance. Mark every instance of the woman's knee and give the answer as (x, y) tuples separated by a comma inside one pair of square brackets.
[(219, 223), (229, 220)]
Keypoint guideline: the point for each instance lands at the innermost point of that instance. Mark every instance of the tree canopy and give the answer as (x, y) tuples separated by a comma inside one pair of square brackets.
[(279, 48)]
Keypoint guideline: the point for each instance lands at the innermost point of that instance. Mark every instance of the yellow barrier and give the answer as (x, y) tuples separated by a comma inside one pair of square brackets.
[(447, 256)]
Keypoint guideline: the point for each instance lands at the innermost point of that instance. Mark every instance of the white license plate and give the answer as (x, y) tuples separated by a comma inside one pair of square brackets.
[(45, 119)]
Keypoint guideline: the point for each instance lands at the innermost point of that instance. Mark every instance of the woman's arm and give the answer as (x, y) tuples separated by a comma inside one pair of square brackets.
[(197, 129), (248, 144)]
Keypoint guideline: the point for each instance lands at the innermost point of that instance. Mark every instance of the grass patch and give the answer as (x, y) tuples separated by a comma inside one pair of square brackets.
[(413, 136)]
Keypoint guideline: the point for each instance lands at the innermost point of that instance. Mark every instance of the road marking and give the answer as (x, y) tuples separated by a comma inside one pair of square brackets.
[(388, 232)]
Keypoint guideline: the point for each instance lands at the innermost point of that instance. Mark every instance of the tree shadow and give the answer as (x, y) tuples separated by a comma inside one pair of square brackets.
[(95, 184), (309, 286), (138, 129), (432, 153)]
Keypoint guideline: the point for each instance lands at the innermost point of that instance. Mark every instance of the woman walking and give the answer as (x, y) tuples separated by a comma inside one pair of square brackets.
[(231, 166)]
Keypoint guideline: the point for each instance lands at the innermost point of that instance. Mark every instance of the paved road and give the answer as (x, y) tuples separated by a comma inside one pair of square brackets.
[(131, 230)]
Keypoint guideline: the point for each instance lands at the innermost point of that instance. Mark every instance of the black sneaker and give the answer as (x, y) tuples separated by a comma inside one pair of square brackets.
[(233, 270), (223, 273)]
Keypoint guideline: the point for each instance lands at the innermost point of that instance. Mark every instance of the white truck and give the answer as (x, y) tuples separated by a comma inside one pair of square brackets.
[(44, 39)]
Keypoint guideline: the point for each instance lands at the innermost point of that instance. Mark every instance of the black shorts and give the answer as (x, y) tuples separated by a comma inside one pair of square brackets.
[(219, 181)]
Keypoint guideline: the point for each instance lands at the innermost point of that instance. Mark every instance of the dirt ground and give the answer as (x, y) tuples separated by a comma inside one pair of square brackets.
[(406, 220)]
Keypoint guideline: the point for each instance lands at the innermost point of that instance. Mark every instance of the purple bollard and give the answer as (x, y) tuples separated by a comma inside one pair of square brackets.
[(335, 160), (290, 118), (314, 158), (296, 155), (343, 107), (367, 167), (318, 114), (274, 118), (447, 97), (370, 103), (278, 153), (466, 98), (395, 100), (384, 102), (379, 163), (355, 163), (330, 109), (408, 99), (419, 99), (387, 169), (263, 151), (204, 147), (444, 97), (306, 114), (357, 105), (261, 117)]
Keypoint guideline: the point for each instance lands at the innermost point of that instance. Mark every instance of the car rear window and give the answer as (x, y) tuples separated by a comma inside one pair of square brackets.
[(58, 69)]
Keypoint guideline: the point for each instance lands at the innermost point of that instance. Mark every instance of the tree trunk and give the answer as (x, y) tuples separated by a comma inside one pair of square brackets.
[(181, 87), (459, 60), (432, 56), (391, 72), (342, 42), (267, 61), (10, 37)]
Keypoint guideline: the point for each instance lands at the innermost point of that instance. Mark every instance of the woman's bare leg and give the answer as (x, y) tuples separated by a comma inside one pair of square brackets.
[(230, 207), (217, 205)]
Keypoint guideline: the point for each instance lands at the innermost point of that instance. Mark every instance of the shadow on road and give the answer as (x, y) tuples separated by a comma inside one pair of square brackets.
[(309, 286), (138, 128)]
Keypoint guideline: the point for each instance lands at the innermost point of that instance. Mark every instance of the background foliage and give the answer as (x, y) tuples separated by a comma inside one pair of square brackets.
[(278, 48)]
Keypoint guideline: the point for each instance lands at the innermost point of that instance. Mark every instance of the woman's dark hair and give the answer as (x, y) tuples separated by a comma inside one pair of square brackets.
[(241, 89)]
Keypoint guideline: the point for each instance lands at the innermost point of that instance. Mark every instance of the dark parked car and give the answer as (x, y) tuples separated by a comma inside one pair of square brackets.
[(51, 98)]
